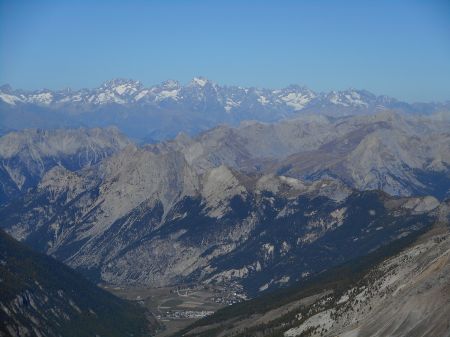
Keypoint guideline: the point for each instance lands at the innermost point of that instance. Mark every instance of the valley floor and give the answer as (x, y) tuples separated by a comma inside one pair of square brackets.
[(177, 307)]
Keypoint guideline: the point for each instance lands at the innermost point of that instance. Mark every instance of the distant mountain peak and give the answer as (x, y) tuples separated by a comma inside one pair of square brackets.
[(121, 84), (199, 81)]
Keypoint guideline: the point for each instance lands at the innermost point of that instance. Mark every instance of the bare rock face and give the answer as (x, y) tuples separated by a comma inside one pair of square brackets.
[(219, 187)]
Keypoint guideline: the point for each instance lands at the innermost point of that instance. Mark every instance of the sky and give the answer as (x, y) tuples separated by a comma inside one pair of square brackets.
[(393, 47)]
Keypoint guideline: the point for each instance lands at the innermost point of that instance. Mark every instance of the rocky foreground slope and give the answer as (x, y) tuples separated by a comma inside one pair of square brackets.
[(42, 297), (400, 290)]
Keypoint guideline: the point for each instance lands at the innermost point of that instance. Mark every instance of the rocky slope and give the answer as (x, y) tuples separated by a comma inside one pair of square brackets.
[(147, 218), (400, 291), (225, 206), (162, 111), (25, 156), (42, 297)]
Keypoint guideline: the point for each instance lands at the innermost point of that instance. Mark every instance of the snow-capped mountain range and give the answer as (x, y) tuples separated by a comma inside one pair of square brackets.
[(162, 111), (125, 91)]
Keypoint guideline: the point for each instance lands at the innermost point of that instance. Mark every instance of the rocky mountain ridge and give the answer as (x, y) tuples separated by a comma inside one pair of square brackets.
[(399, 154), (25, 156)]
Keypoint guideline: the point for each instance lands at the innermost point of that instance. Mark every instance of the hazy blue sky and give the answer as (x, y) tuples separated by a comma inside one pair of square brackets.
[(399, 48)]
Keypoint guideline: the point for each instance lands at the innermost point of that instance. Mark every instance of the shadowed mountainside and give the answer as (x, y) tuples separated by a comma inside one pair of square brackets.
[(42, 297)]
